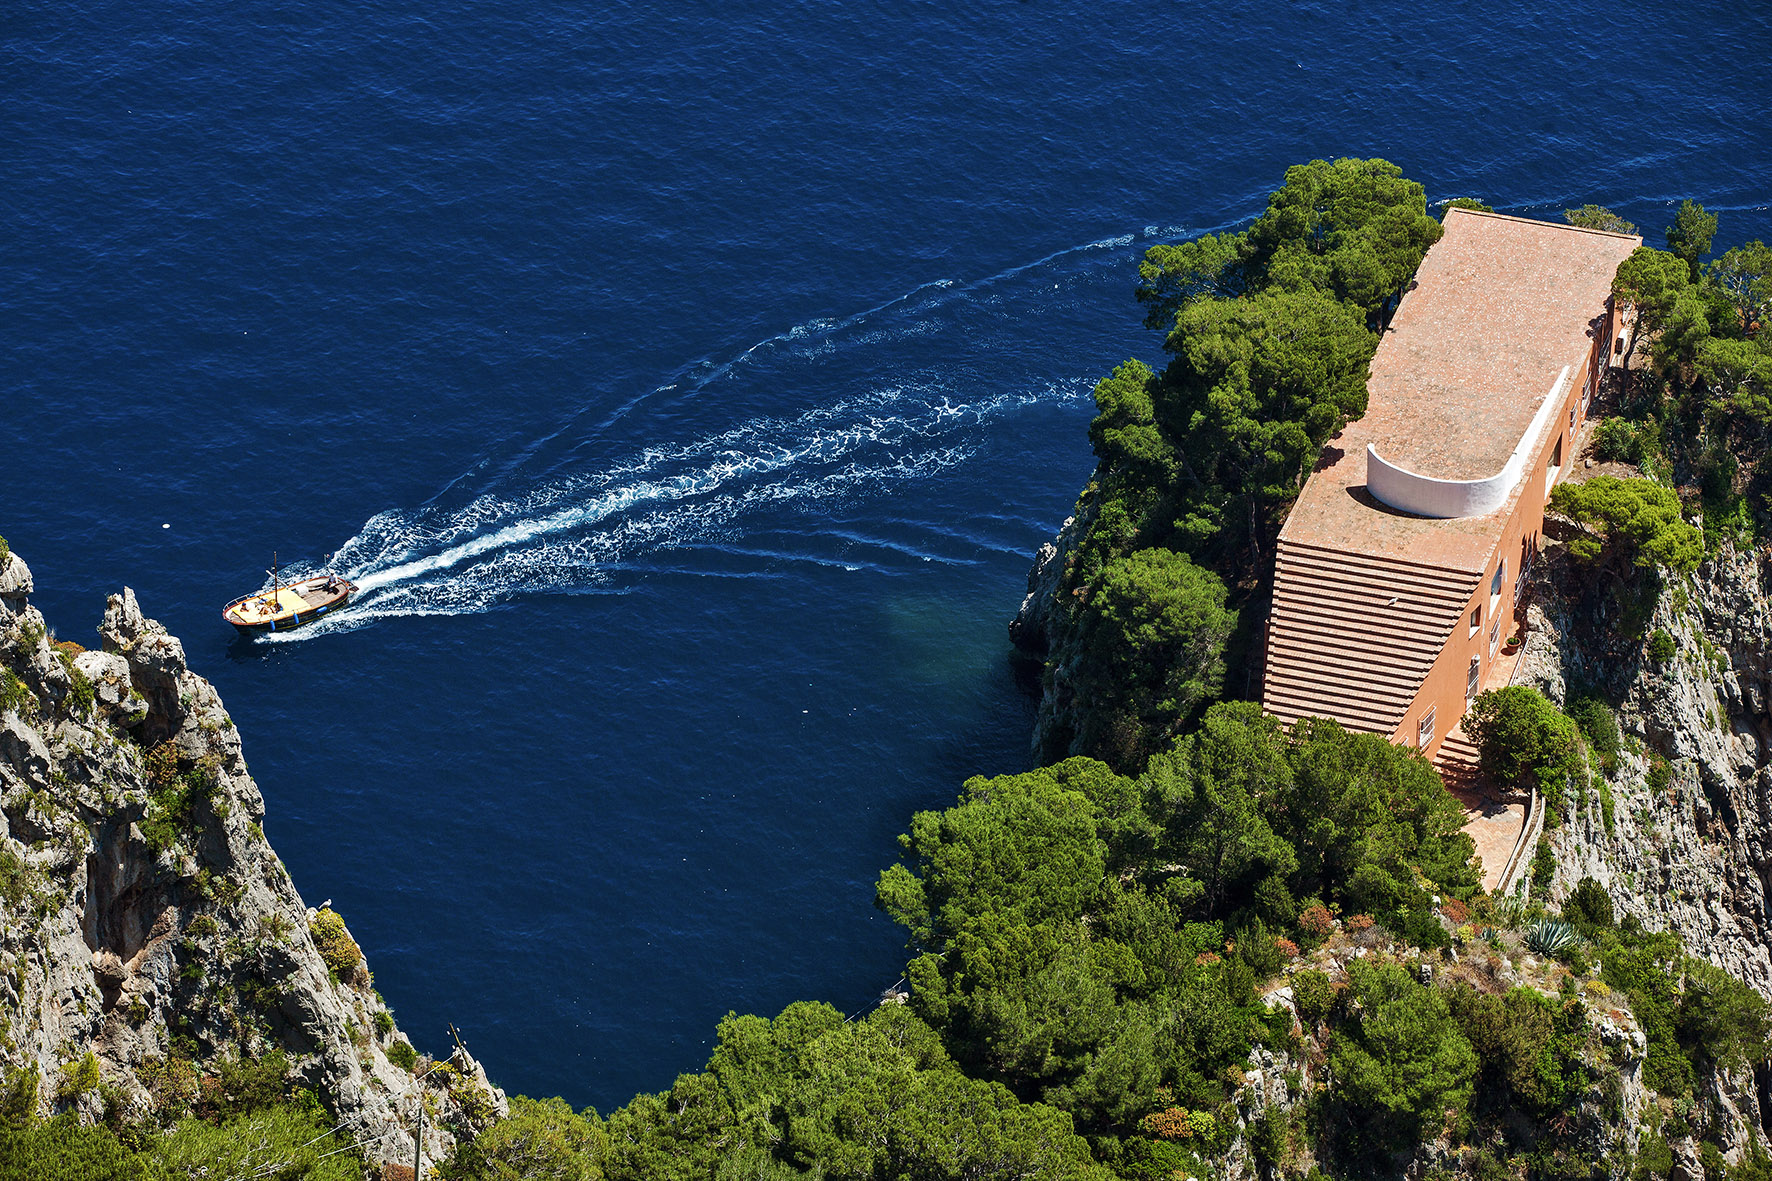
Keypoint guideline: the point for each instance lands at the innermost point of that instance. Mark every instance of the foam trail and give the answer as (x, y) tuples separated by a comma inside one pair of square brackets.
[(572, 534)]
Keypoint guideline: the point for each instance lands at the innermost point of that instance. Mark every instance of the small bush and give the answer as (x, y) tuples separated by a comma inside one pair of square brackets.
[(82, 696), (1660, 774), (15, 877), (13, 694), (1316, 922), (1314, 995), (174, 795), (335, 944), (1589, 907), (1544, 865), (1661, 646), (1617, 440), (78, 1077), (1600, 726), (402, 1054), (1256, 948), (384, 1023), (5, 554)]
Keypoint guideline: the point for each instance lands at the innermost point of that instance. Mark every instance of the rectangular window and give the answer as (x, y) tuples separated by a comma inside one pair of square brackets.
[(1424, 733), (1494, 635), (1476, 619), (1471, 679), (1572, 406), (1495, 583)]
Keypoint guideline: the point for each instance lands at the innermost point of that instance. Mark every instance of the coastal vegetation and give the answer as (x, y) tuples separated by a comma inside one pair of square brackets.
[(1269, 332), (1696, 412), (1104, 947), (1195, 938)]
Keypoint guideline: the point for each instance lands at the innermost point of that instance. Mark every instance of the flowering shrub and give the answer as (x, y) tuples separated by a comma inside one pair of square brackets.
[(1316, 921), (1178, 1123), (1287, 948), (1173, 1123), (1358, 922), (1457, 912), (335, 944)]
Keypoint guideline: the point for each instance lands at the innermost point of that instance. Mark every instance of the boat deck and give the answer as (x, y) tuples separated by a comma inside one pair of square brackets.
[(290, 604)]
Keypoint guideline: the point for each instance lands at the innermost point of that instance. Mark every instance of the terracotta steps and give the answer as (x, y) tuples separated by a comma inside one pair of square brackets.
[(1352, 636), (1457, 761)]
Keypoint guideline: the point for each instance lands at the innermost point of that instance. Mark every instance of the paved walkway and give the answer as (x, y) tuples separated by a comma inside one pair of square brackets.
[(1494, 821)]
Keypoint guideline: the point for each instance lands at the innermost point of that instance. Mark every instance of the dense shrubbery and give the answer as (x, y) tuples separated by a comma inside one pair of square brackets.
[(243, 1121), (1269, 334), (1701, 414), (805, 1095), (1400, 1062), (1524, 740), (1151, 642), (1093, 940)]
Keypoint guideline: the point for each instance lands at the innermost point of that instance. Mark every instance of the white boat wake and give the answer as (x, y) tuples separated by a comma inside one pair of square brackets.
[(571, 534)]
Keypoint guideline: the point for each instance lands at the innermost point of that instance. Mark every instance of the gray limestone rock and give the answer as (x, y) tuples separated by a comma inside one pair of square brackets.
[(149, 914)]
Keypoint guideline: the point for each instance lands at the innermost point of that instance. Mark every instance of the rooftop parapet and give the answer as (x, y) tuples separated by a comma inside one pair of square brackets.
[(1430, 496)]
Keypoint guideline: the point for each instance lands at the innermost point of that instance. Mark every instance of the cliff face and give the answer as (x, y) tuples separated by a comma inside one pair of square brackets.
[(1691, 854), (1039, 632), (145, 917)]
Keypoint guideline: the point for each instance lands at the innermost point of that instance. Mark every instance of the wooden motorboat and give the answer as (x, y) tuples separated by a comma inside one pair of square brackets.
[(288, 604)]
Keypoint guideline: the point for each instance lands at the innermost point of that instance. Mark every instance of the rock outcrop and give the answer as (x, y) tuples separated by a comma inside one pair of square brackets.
[(1685, 842), (146, 919), (1040, 632)]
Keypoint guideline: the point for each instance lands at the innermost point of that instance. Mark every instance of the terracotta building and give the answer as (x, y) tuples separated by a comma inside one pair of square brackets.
[(1401, 564)]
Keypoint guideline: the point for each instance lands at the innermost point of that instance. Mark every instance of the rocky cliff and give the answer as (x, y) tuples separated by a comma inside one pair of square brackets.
[(150, 933), (1683, 841)]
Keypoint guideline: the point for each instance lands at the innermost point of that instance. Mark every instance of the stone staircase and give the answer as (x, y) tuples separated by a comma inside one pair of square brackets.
[(1457, 761)]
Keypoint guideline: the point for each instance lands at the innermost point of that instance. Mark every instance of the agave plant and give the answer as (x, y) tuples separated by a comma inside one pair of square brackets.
[(1550, 937)]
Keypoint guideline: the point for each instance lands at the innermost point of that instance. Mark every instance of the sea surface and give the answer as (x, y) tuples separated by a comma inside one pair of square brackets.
[(688, 386)]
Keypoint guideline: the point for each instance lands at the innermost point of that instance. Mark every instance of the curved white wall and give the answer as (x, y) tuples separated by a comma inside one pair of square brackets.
[(1427, 496)]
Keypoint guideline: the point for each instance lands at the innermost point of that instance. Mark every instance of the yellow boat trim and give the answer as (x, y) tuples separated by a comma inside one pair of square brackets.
[(263, 608)]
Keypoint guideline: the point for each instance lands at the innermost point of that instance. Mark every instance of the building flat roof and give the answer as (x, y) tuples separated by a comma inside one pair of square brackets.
[(1499, 307)]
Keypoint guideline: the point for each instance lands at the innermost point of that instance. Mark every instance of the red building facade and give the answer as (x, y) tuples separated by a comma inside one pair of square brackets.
[(1402, 563)]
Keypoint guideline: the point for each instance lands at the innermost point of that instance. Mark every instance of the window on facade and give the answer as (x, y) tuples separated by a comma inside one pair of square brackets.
[(1494, 636), (1554, 466), (1476, 618), (1572, 406), (1495, 583), (1424, 733), (1470, 680)]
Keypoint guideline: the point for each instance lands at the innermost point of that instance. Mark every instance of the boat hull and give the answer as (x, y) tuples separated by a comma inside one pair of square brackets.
[(289, 606)]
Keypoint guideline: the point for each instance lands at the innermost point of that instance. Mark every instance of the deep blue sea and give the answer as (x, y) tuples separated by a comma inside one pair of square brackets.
[(688, 386)]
